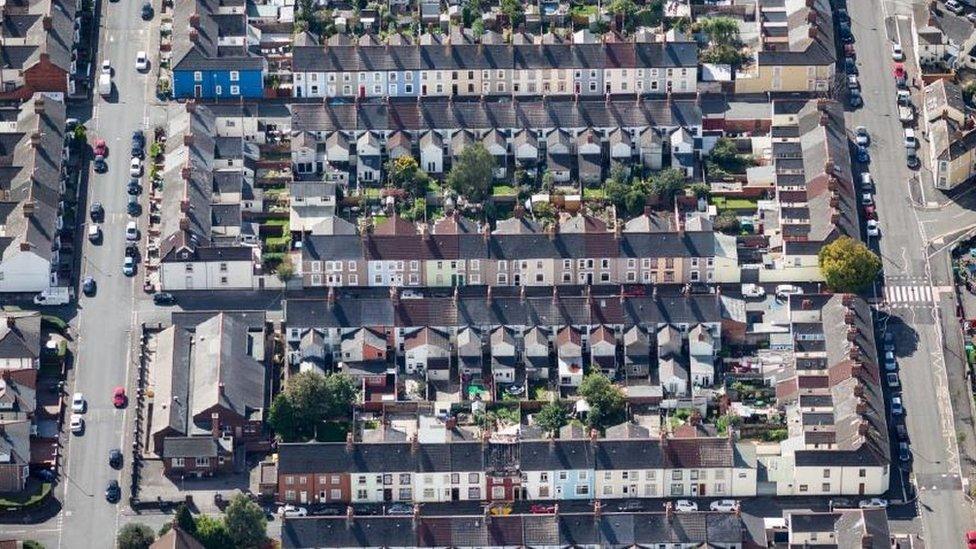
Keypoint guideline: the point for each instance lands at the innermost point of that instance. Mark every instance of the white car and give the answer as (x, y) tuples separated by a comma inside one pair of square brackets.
[(897, 54), (107, 67), (893, 381), (128, 266), (685, 506), (131, 231), (873, 503), (867, 199), (873, 228), (77, 424), (78, 403), (753, 290), (293, 511), (861, 136), (971, 17), (786, 290), (724, 505), (866, 181), (142, 61), (135, 167), (954, 6)]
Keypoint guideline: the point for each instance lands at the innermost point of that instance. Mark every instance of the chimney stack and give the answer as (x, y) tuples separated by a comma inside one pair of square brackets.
[(522, 294), (35, 139), (555, 294), (11, 321), (191, 106), (187, 139), (47, 23), (39, 104), (349, 442), (394, 296), (350, 515), (184, 223), (414, 443), (331, 297), (195, 21), (488, 296), (29, 208)]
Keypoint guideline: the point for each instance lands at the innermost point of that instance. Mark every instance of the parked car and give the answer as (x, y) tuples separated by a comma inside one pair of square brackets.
[(138, 144), (896, 407), (785, 290), (685, 506), (854, 99), (400, 509), (115, 458), (840, 503), (911, 160), (147, 11), (142, 61), (904, 97), (870, 212), (861, 136), (904, 454), (106, 67), (853, 83), (897, 54), (135, 167), (867, 199), (971, 539), (77, 424), (850, 66), (164, 298), (133, 207), (867, 182), (131, 231), (954, 6), (118, 397), (500, 510), (542, 509), (901, 431), (88, 286), (99, 164), (893, 380), (863, 155), (128, 266), (911, 141), (630, 506), (873, 503), (873, 229), (100, 148), (133, 188), (78, 403), (890, 363), (96, 212), (725, 505), (94, 233), (293, 511), (113, 493), (753, 290)]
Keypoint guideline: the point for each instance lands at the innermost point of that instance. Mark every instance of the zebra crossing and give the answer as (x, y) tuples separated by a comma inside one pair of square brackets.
[(908, 294)]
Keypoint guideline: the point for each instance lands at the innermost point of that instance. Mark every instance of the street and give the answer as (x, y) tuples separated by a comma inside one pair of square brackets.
[(914, 287), (105, 321)]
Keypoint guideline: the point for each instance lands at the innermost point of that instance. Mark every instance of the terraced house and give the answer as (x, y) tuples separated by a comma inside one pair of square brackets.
[(38, 42), (487, 69), (506, 470), (519, 252)]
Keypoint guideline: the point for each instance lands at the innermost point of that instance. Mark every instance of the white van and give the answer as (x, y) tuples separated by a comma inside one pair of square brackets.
[(105, 84)]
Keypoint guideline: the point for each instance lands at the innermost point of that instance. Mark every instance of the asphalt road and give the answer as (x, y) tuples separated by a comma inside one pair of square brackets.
[(944, 511), (105, 321)]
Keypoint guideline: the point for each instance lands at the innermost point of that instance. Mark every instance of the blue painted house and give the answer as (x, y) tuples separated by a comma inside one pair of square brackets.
[(211, 55)]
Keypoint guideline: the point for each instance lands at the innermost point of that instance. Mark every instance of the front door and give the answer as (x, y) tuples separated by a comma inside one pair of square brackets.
[(455, 494), (198, 91), (701, 490), (387, 494)]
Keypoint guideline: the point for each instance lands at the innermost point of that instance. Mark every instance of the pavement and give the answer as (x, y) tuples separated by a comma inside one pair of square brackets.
[(916, 289)]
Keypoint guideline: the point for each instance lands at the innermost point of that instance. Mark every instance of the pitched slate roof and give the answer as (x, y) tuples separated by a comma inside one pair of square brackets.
[(20, 334), (482, 116)]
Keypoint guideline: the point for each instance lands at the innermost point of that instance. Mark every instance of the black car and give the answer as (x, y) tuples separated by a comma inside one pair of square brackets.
[(912, 161), (88, 286), (113, 492), (99, 164), (850, 66), (631, 506), (164, 298), (854, 99), (133, 188), (115, 458), (324, 510), (147, 11), (97, 212), (46, 475), (133, 206), (138, 144)]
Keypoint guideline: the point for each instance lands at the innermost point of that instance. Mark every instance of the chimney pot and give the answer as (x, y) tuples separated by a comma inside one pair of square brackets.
[(191, 106), (29, 208), (187, 139)]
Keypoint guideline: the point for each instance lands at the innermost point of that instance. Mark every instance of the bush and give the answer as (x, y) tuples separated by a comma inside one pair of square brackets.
[(54, 323)]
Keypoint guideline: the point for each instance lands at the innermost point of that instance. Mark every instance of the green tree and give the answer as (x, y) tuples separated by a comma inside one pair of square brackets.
[(184, 519), (471, 176), (478, 26), (667, 183), (701, 190), (309, 398), (135, 535), (727, 222), (31, 544), (606, 401), (551, 417), (285, 270), (514, 10), (245, 522), (212, 533), (404, 173), (81, 133), (848, 265), (721, 31)]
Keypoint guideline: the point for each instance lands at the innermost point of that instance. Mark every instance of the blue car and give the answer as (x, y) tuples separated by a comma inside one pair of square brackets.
[(862, 155)]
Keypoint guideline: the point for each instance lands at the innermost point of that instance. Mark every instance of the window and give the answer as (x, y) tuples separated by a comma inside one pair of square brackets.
[(202, 461), (235, 76), (218, 90), (718, 488), (406, 494), (335, 494), (676, 474), (543, 477), (497, 492), (677, 490), (582, 475), (223, 267), (826, 473), (607, 490), (223, 280), (502, 279), (404, 478), (361, 480), (335, 479), (650, 475), (289, 494), (178, 462), (862, 473), (803, 488), (473, 478), (189, 267), (562, 475), (582, 489), (428, 493), (197, 76), (607, 475), (455, 478), (825, 487), (387, 479), (693, 474), (408, 88), (474, 493)]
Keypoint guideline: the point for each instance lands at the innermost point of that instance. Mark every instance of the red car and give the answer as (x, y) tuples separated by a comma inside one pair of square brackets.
[(971, 539), (118, 397), (870, 213), (101, 149), (899, 71), (540, 509)]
